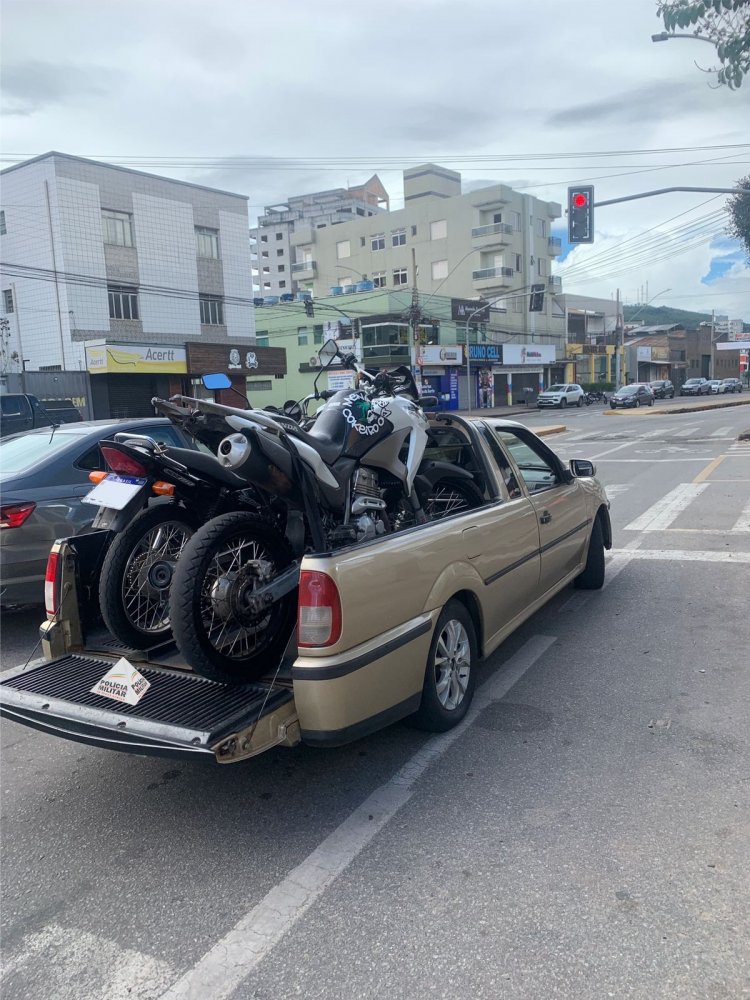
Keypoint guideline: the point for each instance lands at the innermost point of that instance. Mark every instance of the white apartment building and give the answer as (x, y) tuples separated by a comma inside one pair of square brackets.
[(270, 240), (493, 243), (92, 251)]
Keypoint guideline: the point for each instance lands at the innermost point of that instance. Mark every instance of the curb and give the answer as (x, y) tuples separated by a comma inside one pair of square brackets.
[(553, 429)]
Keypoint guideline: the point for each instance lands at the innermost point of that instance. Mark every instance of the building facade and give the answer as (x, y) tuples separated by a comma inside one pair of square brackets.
[(591, 326), (493, 243), (270, 241), (98, 253)]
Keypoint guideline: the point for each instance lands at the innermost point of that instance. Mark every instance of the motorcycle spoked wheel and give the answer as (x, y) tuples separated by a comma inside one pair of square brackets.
[(137, 574), (446, 497), (223, 563)]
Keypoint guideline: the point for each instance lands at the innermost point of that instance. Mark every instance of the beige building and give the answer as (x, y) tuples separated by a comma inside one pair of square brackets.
[(493, 243)]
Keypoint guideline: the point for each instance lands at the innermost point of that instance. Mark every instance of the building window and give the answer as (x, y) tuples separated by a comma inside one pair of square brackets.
[(279, 236), (518, 303), (377, 242), (282, 284), (281, 268), (400, 276), (280, 253), (207, 242), (515, 221), (414, 230), (362, 240), (378, 279), (117, 228), (212, 310), (541, 228), (497, 218), (267, 286), (3, 230), (343, 250), (518, 261), (123, 302), (258, 384), (439, 230), (501, 305), (541, 267), (439, 270), (264, 253), (360, 211), (264, 239), (318, 334), (8, 300), (261, 341), (398, 238), (302, 336), (267, 270)]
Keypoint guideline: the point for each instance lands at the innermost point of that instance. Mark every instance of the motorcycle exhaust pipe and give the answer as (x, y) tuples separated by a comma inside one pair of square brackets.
[(238, 454)]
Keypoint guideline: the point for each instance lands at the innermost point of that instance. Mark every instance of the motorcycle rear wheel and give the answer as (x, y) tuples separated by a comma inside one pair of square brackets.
[(446, 497), (225, 561), (137, 573)]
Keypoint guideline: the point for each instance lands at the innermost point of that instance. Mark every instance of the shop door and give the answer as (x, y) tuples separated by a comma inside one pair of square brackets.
[(523, 381), (131, 396)]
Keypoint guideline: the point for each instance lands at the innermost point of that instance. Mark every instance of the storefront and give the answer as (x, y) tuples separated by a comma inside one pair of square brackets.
[(439, 367), (508, 374), (125, 376)]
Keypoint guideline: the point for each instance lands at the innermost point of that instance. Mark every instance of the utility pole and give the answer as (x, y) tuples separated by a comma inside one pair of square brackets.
[(713, 334), (415, 315), (618, 339)]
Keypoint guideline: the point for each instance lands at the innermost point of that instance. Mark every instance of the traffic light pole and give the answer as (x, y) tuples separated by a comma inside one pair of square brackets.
[(650, 194)]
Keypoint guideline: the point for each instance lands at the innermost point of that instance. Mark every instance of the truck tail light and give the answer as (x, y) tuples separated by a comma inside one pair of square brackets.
[(319, 616), (52, 584), (13, 515), (121, 463)]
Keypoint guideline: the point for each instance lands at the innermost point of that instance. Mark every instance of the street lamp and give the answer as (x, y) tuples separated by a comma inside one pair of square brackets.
[(664, 36), (468, 354)]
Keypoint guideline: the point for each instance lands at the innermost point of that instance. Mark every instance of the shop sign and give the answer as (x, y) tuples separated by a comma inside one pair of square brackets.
[(436, 354), (528, 354), (467, 309), (235, 359), (485, 352), (130, 359), (643, 353)]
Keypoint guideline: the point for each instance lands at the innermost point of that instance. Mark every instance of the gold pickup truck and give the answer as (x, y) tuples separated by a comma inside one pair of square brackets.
[(406, 618)]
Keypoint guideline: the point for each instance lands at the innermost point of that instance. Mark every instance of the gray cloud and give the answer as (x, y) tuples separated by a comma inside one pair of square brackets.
[(31, 86)]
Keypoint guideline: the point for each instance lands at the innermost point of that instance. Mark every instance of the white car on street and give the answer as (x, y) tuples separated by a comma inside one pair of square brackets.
[(561, 395)]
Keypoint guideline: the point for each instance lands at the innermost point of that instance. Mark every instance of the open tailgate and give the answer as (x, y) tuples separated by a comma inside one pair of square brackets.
[(180, 714)]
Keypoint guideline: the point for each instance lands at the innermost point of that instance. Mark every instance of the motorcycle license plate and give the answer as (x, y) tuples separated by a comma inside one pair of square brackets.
[(115, 492)]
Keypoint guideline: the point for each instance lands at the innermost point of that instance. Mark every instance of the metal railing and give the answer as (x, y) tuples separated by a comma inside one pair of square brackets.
[(554, 283), (555, 244), (495, 228), (492, 272), (303, 265)]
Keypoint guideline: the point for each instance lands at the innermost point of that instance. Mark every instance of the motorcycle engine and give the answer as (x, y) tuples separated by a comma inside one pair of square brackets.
[(367, 504)]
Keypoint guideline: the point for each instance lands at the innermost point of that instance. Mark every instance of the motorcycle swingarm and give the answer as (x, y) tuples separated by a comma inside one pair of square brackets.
[(269, 593)]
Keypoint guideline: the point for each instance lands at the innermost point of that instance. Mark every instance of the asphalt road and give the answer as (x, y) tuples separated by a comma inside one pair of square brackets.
[(586, 835)]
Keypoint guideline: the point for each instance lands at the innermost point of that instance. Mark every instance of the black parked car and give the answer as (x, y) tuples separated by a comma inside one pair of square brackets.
[(663, 389), (696, 387), (637, 394)]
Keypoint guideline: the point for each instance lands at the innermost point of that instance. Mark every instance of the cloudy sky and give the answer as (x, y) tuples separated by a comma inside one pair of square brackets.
[(282, 97)]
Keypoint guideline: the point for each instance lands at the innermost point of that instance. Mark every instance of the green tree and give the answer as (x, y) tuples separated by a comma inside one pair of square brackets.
[(738, 207), (724, 23)]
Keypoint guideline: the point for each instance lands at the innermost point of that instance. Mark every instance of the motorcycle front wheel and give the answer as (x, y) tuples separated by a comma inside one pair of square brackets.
[(137, 574), (215, 628)]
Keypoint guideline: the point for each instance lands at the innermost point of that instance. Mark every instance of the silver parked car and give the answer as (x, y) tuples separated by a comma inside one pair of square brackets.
[(43, 475)]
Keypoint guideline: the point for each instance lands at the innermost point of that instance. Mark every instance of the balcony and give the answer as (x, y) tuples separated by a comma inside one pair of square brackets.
[(554, 284), (492, 277), (496, 234), (304, 269), (555, 245)]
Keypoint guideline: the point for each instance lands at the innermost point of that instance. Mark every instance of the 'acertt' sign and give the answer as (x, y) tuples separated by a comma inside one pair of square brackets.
[(106, 358)]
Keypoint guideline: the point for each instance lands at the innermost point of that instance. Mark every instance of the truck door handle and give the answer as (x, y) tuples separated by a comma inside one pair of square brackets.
[(545, 517)]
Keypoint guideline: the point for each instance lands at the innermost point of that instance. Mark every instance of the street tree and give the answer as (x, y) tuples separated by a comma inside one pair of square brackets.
[(738, 207), (724, 23)]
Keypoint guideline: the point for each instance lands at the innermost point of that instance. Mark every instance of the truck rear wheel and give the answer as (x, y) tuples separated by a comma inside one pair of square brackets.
[(215, 628), (137, 574), (450, 676)]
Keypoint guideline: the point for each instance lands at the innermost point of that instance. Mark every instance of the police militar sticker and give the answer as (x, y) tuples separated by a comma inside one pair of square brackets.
[(122, 683)]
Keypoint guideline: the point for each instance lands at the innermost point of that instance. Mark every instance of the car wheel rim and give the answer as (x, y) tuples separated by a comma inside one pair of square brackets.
[(452, 665), (148, 575)]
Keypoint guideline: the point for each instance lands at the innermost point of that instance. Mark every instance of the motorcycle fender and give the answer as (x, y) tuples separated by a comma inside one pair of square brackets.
[(431, 472)]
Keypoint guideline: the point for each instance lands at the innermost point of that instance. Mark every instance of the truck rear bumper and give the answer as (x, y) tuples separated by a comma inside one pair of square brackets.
[(180, 715)]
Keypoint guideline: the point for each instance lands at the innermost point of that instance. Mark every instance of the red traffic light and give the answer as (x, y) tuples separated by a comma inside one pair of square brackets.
[(579, 200)]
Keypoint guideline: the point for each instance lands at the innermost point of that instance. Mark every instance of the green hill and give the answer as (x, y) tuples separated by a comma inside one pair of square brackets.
[(663, 315)]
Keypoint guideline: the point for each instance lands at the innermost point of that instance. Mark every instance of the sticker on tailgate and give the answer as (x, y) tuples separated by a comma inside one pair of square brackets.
[(122, 683)]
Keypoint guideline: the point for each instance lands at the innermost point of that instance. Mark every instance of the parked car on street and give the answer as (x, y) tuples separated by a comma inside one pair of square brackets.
[(44, 473), (662, 389), (731, 385), (716, 385), (635, 394), (561, 395), (696, 387)]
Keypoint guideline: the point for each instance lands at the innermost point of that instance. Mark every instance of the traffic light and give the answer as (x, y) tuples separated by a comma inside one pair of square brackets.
[(581, 214), (536, 299), (309, 308)]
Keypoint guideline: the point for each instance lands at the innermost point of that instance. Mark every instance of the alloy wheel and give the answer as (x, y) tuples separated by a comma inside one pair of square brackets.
[(452, 664)]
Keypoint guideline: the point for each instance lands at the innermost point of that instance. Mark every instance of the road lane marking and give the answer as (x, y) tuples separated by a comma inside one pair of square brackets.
[(661, 514), (628, 444), (711, 467), (79, 964), (723, 432), (743, 521), (651, 461), (686, 431), (685, 555), (221, 970)]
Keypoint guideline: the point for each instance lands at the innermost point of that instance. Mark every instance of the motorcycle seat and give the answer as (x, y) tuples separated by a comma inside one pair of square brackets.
[(328, 450), (206, 465)]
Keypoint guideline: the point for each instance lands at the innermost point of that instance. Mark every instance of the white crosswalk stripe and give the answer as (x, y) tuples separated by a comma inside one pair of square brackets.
[(661, 514), (722, 432), (686, 431)]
